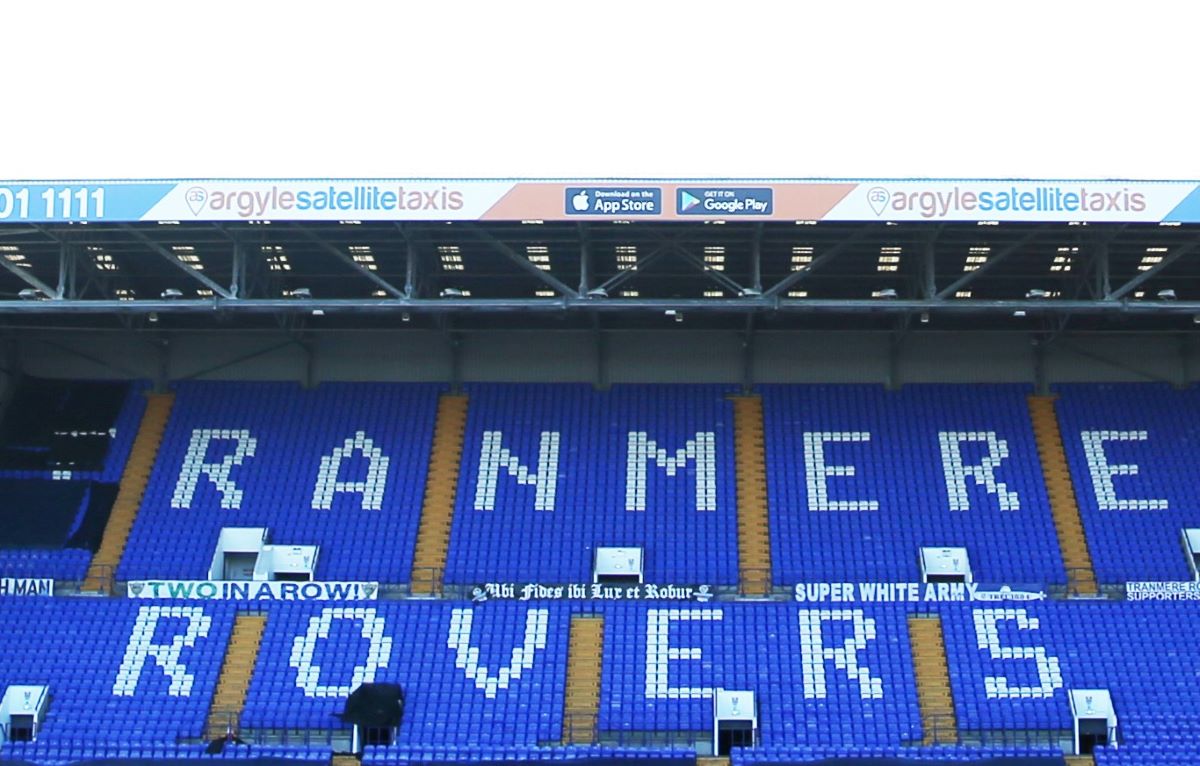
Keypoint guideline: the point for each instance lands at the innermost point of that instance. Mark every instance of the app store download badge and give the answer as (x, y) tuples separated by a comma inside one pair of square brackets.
[(721, 202), (616, 201)]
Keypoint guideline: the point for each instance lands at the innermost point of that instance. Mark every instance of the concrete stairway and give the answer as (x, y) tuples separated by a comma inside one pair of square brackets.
[(754, 534), (934, 696), (585, 662), (240, 655), (134, 479), (441, 485), (1071, 537)]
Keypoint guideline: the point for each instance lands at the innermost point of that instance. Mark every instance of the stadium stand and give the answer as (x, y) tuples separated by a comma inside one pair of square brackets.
[(341, 466), (553, 680), (576, 468), (60, 425), (860, 478), (1010, 665), (1131, 449), (773, 649), (123, 674), (487, 676), (140, 675), (56, 443)]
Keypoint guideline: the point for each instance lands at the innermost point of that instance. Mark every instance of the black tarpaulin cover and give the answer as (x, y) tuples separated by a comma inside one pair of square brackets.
[(375, 706)]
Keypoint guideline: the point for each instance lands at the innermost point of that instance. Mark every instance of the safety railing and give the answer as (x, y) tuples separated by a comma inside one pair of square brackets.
[(427, 581), (225, 729), (940, 729), (754, 581), (584, 729), (1081, 582)]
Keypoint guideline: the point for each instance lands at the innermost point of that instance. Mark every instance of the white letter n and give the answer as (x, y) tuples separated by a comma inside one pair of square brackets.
[(494, 457)]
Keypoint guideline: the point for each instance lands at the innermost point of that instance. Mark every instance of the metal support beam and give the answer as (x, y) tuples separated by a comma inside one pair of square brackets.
[(239, 270), (411, 259), (25, 276), (748, 356), (410, 270), (743, 305), (310, 361), (1102, 285), (7, 232), (601, 346), (716, 276), (379, 281), (522, 261), (455, 362), (227, 363), (71, 289), (621, 277), (756, 258), (162, 374), (780, 287), (585, 260), (63, 257), (988, 265), (1151, 272), (1116, 362), (95, 276), (929, 268), (1041, 381), (895, 342), (199, 276), (106, 364)]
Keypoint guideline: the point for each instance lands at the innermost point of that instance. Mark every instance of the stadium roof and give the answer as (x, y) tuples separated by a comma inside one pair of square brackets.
[(586, 267)]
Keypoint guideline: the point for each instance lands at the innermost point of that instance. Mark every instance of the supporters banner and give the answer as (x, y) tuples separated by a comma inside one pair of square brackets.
[(1162, 591), (908, 592), (26, 586), (506, 200), (590, 592), (217, 590)]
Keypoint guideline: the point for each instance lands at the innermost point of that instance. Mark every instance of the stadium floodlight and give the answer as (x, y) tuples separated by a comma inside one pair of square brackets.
[(302, 292), (451, 292), (1166, 295), (886, 292), (1019, 313), (30, 294), (318, 312), (597, 292), (171, 294), (1037, 293), (750, 292)]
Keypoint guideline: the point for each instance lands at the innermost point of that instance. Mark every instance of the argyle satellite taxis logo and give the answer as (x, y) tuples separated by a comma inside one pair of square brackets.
[(195, 198), (877, 198)]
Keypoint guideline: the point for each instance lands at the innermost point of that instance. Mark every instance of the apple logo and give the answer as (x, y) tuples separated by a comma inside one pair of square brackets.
[(580, 201)]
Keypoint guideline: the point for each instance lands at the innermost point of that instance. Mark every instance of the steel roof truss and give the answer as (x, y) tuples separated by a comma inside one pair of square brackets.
[(173, 259)]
